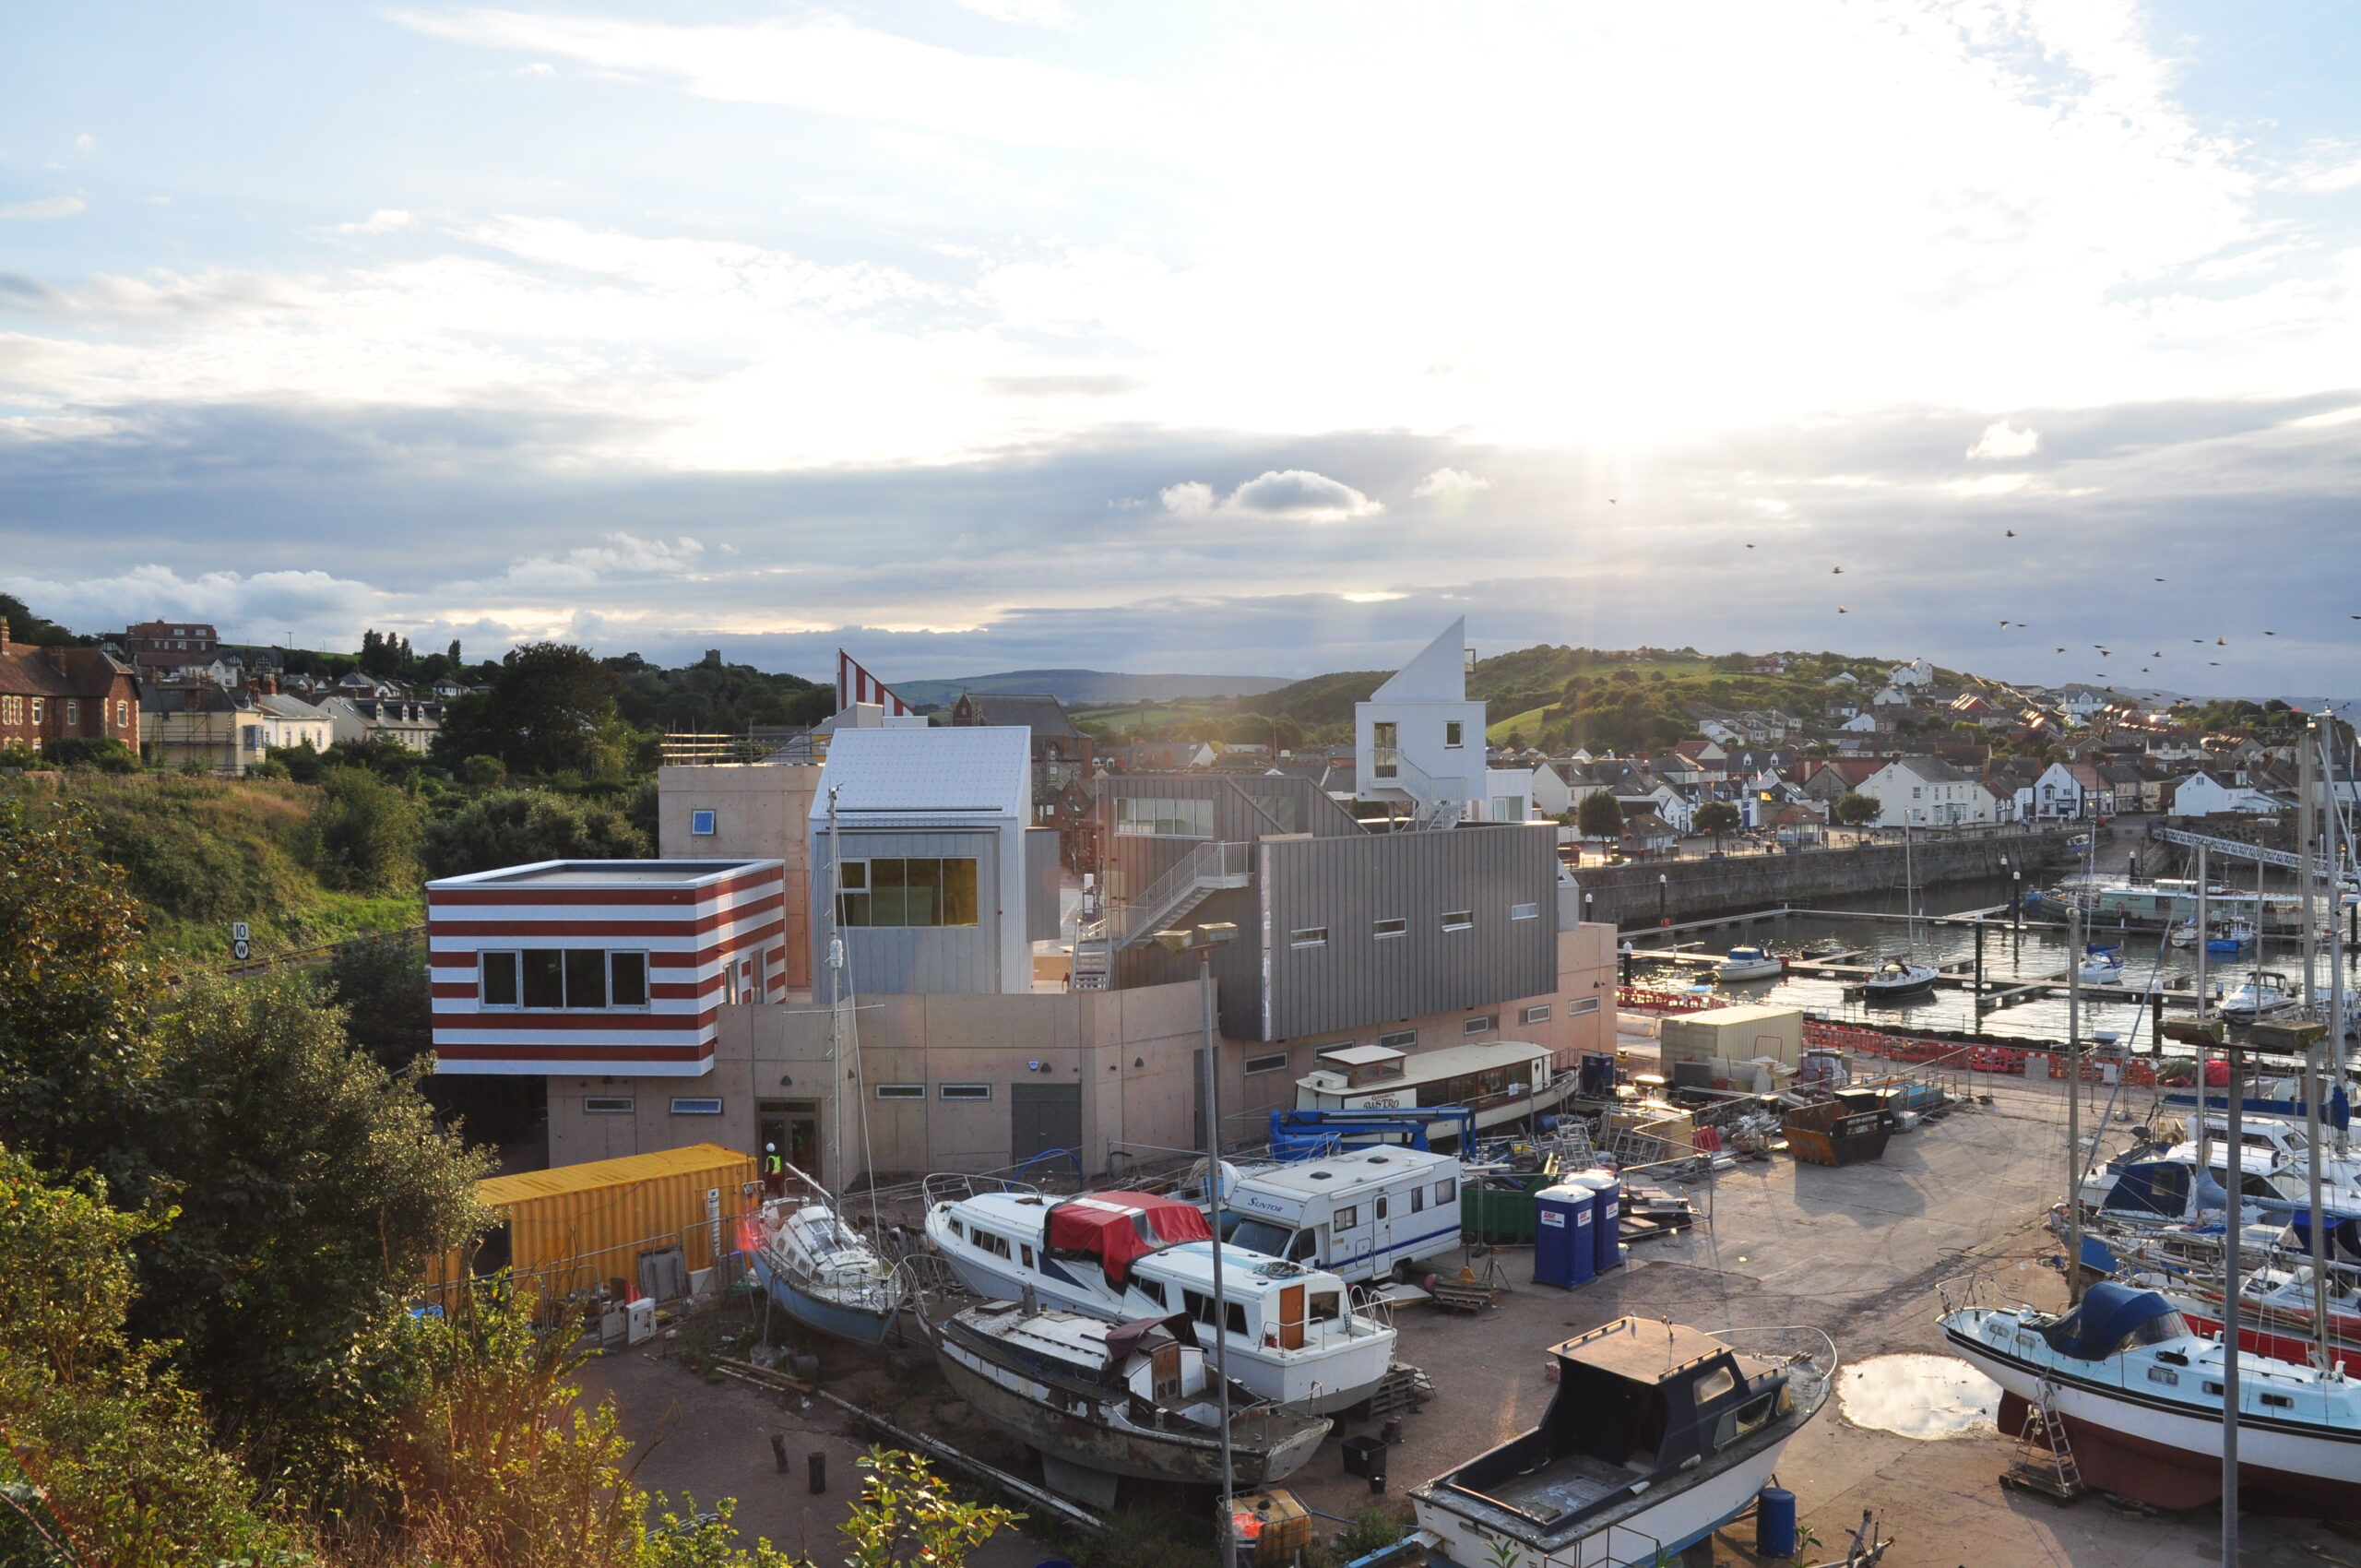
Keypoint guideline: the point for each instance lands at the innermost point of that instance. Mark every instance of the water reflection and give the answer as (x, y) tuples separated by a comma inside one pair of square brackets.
[(1927, 1398)]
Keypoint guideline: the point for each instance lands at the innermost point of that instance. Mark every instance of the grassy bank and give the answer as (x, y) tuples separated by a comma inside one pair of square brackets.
[(202, 853)]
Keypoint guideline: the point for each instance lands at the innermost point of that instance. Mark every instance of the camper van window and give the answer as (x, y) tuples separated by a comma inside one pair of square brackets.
[(1256, 1235), (1380, 1206), (1447, 1189), (1347, 1217), (1305, 1248), (1417, 1200), (1325, 1306)]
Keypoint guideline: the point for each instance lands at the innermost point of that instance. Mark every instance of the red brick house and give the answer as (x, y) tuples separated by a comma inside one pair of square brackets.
[(50, 693)]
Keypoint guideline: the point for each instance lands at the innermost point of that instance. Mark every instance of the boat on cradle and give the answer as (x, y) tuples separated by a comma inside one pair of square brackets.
[(2261, 995), (2154, 1189), (818, 1268), (1499, 1081), (2276, 1313), (2101, 965), (1749, 964), (1292, 1337), (1899, 979), (1657, 1436), (1137, 1399), (2141, 1398)]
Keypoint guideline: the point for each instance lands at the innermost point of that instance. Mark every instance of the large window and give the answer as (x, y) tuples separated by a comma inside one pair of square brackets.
[(576, 979), (880, 892), (1156, 816)]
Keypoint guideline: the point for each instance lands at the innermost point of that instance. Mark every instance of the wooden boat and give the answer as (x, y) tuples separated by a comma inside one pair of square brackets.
[(1136, 1399), (2140, 1398), (1658, 1436)]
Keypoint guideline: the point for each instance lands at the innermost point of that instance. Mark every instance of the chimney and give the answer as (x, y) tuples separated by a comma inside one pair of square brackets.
[(4, 634)]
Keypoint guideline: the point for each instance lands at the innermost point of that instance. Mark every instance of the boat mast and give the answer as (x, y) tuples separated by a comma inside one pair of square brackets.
[(836, 987), (840, 993), (2204, 935), (2312, 1076), (2074, 1104)]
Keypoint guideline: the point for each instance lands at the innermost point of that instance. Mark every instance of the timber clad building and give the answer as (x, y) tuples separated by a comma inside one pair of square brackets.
[(54, 694)]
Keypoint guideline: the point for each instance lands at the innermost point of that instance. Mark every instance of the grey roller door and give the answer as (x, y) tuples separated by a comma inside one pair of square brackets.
[(1043, 1116)]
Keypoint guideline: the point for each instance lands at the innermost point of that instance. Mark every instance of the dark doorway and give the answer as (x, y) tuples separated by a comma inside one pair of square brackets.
[(1043, 1116), (791, 1128)]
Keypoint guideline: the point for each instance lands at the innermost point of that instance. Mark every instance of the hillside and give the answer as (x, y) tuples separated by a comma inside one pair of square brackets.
[(1555, 696), (204, 852), (1085, 688)]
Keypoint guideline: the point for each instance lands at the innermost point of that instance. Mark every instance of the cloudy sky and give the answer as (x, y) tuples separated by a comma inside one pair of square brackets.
[(1257, 338)]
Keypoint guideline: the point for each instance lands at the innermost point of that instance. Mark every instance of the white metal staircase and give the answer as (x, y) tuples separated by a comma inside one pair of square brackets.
[(1208, 869), (1434, 802)]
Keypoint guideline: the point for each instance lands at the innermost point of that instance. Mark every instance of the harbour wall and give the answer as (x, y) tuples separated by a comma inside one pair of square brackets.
[(1627, 896)]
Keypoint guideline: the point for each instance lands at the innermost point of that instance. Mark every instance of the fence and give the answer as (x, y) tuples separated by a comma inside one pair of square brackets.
[(1863, 1040)]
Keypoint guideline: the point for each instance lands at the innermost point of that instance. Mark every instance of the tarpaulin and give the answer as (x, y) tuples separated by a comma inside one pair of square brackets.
[(1116, 1228)]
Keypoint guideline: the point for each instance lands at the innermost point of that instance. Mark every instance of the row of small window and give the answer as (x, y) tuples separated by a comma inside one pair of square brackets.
[(1350, 1216), (1325, 1306), (1396, 925), (625, 1105), (942, 1091), (573, 979), (29, 710)]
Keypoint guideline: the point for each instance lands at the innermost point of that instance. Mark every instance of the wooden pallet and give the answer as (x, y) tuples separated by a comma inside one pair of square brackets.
[(1403, 1387)]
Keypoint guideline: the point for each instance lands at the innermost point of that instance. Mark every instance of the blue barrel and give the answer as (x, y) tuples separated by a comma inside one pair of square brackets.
[(1774, 1523), (1561, 1243)]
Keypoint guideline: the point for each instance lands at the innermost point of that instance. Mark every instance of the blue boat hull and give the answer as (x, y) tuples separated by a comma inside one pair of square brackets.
[(866, 1330)]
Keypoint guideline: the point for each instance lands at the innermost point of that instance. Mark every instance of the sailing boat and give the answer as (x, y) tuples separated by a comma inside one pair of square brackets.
[(816, 1265), (1901, 976), (821, 1270)]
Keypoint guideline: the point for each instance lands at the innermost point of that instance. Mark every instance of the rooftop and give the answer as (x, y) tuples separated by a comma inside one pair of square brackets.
[(603, 873)]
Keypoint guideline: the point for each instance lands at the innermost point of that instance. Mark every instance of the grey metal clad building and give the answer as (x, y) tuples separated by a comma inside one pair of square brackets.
[(1149, 822), (1344, 932)]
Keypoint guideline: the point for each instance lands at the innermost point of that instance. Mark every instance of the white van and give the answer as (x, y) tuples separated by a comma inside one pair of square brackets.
[(1362, 1214)]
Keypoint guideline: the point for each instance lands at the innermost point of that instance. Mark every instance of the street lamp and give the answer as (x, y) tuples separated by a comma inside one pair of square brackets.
[(1201, 940)]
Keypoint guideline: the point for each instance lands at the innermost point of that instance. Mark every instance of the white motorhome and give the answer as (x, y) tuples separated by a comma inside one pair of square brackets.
[(1362, 1214)]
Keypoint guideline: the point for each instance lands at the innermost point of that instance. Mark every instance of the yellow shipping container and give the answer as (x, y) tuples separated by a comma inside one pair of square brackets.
[(647, 1219)]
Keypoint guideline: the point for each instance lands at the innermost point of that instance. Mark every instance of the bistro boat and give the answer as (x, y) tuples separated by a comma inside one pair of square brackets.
[(1658, 1436), (1134, 1399), (1292, 1337), (1500, 1081)]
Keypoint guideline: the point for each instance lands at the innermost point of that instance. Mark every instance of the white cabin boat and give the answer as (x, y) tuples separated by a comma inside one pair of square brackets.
[(1500, 1081), (1749, 964), (2141, 1399), (1292, 1337), (2261, 995), (1899, 979)]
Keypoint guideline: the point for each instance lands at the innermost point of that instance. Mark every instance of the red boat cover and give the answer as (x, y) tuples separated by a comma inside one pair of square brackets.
[(1115, 1227)]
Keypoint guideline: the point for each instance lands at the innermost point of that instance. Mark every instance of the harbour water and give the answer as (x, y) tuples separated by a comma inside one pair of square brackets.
[(2031, 951)]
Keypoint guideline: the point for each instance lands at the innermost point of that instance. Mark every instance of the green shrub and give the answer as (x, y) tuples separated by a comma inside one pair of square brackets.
[(367, 834), (103, 753), (520, 826)]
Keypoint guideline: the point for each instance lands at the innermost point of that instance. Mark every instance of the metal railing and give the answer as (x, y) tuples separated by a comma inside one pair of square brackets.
[(1208, 868), (708, 748), (1439, 803)]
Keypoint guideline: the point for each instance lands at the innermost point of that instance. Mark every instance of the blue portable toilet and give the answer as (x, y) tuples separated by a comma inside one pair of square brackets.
[(1563, 1251), (1606, 1217)]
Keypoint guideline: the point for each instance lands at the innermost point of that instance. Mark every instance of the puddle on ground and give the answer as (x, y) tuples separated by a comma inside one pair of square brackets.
[(1921, 1397)]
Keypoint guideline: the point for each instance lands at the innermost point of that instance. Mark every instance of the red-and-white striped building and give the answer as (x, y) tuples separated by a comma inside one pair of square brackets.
[(609, 967)]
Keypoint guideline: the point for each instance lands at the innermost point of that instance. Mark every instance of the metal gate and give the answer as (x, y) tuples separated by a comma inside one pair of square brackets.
[(1043, 1116)]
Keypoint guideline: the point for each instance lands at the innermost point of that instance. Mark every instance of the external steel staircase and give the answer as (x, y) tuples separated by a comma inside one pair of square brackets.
[(1208, 869), (1434, 802)]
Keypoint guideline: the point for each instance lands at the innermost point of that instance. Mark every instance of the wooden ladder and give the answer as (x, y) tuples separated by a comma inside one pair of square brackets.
[(2046, 1457)]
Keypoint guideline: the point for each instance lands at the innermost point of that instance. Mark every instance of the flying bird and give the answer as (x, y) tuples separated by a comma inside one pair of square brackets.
[(2013, 533), (1838, 571), (2221, 641), (2160, 579), (2270, 634), (1841, 611), (2062, 650), (1749, 547)]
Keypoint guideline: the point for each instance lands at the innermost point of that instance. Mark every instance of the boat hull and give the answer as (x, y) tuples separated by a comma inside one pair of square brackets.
[(1102, 1445), (1662, 1530), (859, 1327), (2169, 1459)]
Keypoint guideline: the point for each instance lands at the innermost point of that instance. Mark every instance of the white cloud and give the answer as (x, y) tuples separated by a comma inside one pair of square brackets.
[(1040, 13), (385, 220), (263, 606), (622, 556), (2002, 441), (1453, 484), (47, 206), (1288, 495), (86, 141), (1189, 499)]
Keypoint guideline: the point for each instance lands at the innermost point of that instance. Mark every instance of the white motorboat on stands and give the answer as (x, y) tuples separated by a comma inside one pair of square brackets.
[(1292, 1334), (2261, 995)]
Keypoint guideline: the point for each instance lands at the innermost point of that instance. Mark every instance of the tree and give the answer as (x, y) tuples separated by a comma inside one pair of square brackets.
[(550, 708), (1855, 810), (1599, 817), (366, 834), (107, 1457), (1716, 817), (905, 1515), (381, 983), (312, 1186), (520, 826)]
